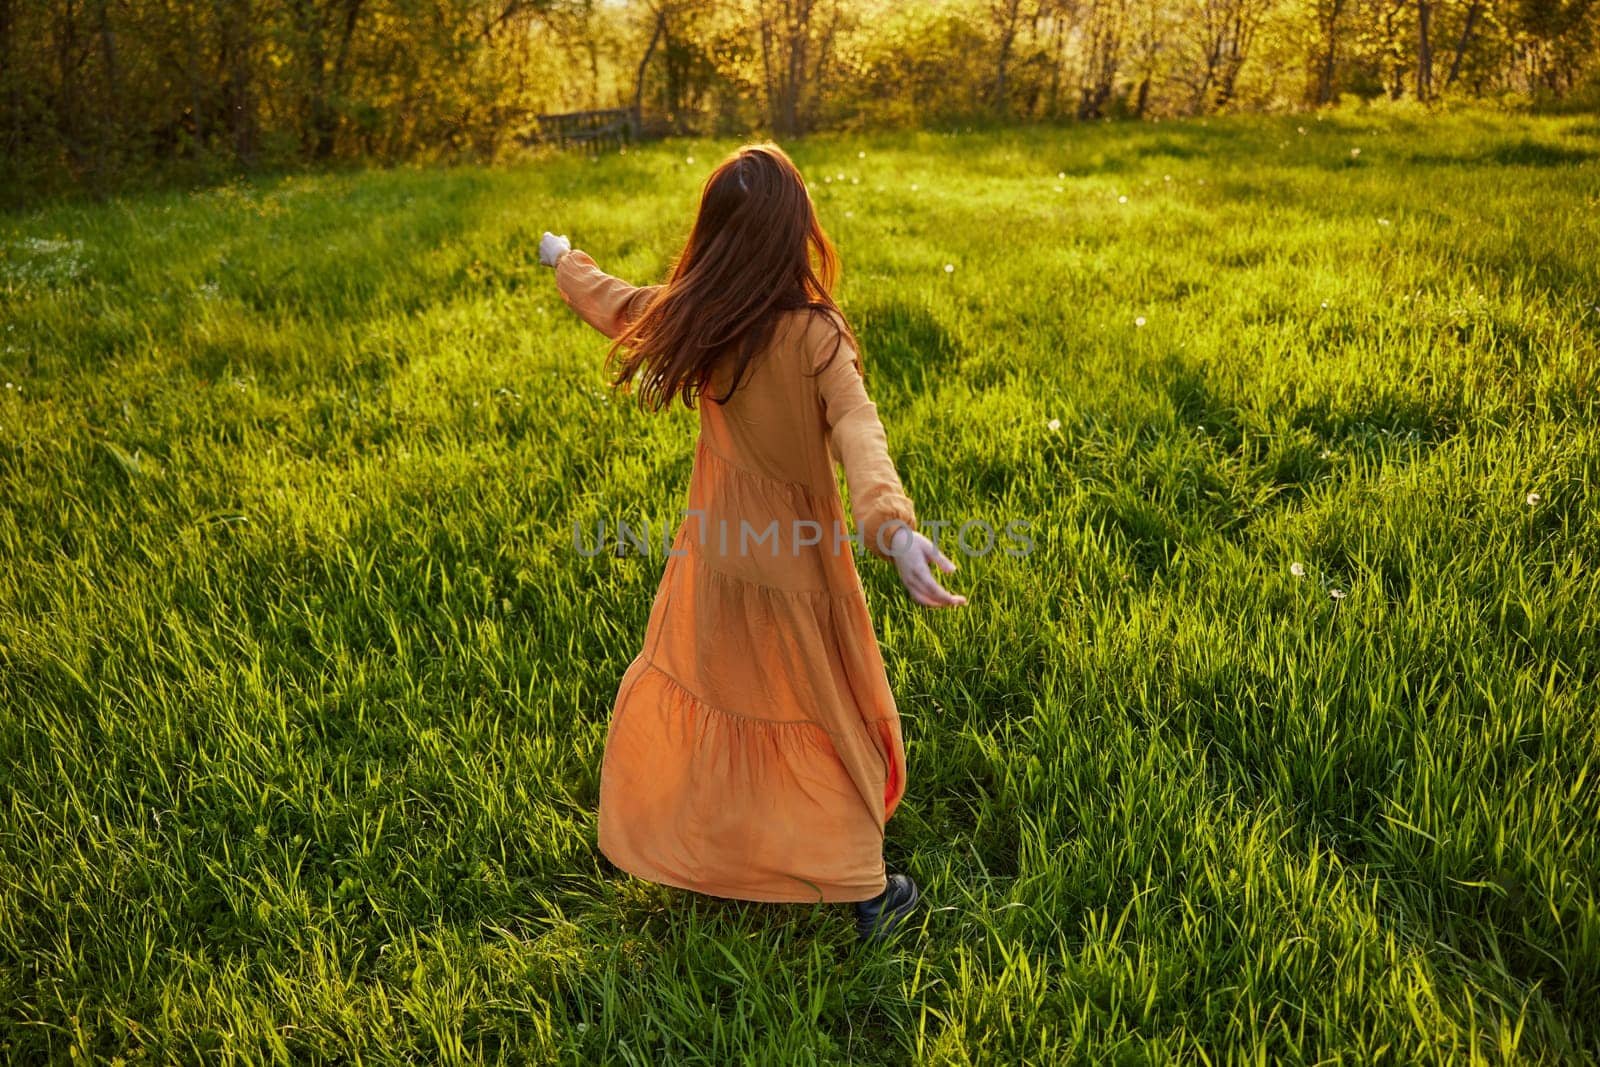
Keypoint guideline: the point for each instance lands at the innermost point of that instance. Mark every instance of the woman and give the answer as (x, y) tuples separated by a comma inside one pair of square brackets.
[(754, 751)]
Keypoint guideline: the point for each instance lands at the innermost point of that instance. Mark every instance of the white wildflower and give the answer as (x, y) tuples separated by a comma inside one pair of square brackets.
[(1355, 153), (1053, 424), (1337, 594), (1139, 321), (1533, 500), (1122, 199), (949, 268), (1297, 569)]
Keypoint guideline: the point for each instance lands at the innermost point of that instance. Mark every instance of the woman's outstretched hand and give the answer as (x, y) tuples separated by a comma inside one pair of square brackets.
[(915, 557), (551, 247)]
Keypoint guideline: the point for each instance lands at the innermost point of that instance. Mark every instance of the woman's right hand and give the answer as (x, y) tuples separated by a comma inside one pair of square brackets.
[(551, 246), (915, 557)]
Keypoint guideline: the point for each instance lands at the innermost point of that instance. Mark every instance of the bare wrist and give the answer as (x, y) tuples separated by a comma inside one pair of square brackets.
[(899, 539)]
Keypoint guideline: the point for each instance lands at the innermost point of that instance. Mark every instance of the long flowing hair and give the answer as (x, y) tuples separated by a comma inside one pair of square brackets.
[(756, 251)]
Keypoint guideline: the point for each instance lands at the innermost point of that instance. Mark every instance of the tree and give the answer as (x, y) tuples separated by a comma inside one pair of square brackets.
[(659, 24), (1424, 51), (795, 54), (1103, 26), (1327, 14), (1223, 31), (1004, 14), (1474, 9)]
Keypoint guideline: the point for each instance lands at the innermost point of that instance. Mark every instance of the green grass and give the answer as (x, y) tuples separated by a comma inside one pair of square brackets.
[(303, 686)]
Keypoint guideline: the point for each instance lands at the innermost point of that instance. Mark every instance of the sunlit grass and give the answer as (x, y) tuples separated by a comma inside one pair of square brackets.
[(303, 684)]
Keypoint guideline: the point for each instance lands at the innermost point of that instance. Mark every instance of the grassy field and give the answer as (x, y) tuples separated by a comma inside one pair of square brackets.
[(1282, 746)]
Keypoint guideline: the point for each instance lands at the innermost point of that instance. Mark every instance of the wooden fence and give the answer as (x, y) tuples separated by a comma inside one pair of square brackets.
[(586, 130)]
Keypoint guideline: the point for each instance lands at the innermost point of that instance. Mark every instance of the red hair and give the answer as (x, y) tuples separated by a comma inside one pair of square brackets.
[(756, 251)]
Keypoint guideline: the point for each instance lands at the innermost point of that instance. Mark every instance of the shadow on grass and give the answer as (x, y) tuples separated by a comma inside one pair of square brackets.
[(905, 350), (1523, 153), (1371, 425), (1218, 468)]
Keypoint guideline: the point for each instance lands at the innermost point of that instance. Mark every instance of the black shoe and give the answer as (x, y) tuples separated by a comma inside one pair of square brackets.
[(881, 916)]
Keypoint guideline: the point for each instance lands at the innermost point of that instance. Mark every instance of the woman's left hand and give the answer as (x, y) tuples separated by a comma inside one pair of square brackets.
[(915, 557), (551, 247)]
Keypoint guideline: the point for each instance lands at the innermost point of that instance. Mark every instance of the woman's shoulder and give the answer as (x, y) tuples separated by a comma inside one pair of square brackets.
[(827, 318), (815, 329)]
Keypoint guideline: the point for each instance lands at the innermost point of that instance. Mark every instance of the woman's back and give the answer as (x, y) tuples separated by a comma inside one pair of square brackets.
[(772, 422)]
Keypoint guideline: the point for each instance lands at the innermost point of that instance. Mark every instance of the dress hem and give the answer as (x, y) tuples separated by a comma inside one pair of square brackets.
[(831, 895)]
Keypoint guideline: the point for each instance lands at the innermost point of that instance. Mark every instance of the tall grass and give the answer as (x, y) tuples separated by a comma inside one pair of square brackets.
[(1280, 747)]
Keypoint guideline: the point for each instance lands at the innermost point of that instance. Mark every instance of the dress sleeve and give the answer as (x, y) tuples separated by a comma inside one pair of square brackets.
[(606, 303), (857, 440)]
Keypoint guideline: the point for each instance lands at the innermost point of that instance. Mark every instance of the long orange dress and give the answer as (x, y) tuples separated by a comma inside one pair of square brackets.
[(754, 750)]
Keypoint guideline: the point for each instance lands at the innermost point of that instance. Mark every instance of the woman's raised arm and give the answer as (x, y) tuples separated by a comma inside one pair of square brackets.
[(604, 302)]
